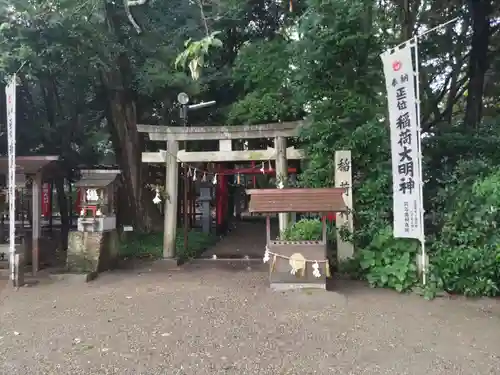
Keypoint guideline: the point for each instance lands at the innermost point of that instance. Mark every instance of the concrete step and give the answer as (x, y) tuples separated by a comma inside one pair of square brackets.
[(228, 264)]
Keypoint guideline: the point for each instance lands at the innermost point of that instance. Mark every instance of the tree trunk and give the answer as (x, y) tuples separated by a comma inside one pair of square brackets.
[(121, 114), (478, 61), (407, 20), (127, 143)]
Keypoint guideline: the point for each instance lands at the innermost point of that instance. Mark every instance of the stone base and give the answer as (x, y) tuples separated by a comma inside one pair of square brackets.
[(74, 277), (92, 252), (165, 264), (229, 264), (5, 265), (96, 224)]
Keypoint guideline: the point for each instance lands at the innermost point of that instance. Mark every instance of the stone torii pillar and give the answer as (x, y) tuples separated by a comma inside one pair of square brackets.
[(36, 223), (171, 192), (281, 176)]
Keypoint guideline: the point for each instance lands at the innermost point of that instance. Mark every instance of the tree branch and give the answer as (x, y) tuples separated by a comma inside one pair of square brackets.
[(128, 4), (449, 109), (452, 76), (203, 17)]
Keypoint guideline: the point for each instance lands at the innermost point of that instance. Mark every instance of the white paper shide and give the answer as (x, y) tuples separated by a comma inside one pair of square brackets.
[(405, 141)]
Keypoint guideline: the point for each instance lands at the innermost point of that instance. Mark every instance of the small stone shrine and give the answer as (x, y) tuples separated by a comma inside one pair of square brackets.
[(93, 247), (296, 264)]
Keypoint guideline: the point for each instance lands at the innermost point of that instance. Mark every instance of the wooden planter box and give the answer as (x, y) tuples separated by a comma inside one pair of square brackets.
[(272, 201), (279, 274)]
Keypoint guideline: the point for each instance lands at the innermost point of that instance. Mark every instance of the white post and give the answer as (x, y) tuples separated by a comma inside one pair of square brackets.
[(171, 187), (10, 93), (343, 179), (282, 176)]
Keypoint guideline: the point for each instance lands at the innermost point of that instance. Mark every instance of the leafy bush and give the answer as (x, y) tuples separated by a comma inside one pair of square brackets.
[(389, 262), (466, 258), (151, 245)]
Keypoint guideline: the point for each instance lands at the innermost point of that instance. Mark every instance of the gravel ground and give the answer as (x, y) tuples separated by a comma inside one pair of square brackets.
[(209, 321)]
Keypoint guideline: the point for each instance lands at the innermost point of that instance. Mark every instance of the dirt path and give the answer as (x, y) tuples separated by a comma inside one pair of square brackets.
[(248, 238), (201, 321)]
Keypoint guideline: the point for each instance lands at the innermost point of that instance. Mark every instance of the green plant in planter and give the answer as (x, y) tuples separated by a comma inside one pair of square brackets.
[(307, 230), (312, 230)]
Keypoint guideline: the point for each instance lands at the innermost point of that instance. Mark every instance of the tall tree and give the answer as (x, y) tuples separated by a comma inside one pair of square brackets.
[(481, 12)]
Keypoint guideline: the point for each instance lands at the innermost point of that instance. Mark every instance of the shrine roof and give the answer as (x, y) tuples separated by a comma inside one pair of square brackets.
[(97, 177), (29, 164), (297, 200)]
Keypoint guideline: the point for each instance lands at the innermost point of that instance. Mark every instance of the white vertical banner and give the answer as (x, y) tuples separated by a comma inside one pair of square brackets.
[(405, 142), (10, 93)]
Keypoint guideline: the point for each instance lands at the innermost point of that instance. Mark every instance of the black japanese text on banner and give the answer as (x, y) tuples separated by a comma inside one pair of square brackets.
[(405, 142)]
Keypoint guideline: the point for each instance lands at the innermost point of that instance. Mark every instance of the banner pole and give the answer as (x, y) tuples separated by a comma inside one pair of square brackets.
[(429, 31), (11, 141), (420, 168), (410, 44)]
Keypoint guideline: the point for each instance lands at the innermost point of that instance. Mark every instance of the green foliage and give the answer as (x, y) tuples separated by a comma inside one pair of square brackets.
[(150, 245), (259, 107), (307, 230), (196, 51), (466, 254), (262, 70), (339, 78), (388, 262)]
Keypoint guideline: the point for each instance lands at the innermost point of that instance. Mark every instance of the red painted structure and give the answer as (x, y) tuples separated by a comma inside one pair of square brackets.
[(330, 216), (252, 170), (222, 190), (254, 179), (78, 202), (46, 200)]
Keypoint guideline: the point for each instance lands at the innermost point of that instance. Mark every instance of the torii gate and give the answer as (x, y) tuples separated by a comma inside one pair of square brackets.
[(224, 134)]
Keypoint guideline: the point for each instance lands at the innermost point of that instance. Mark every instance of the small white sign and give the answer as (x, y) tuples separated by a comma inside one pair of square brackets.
[(128, 228)]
